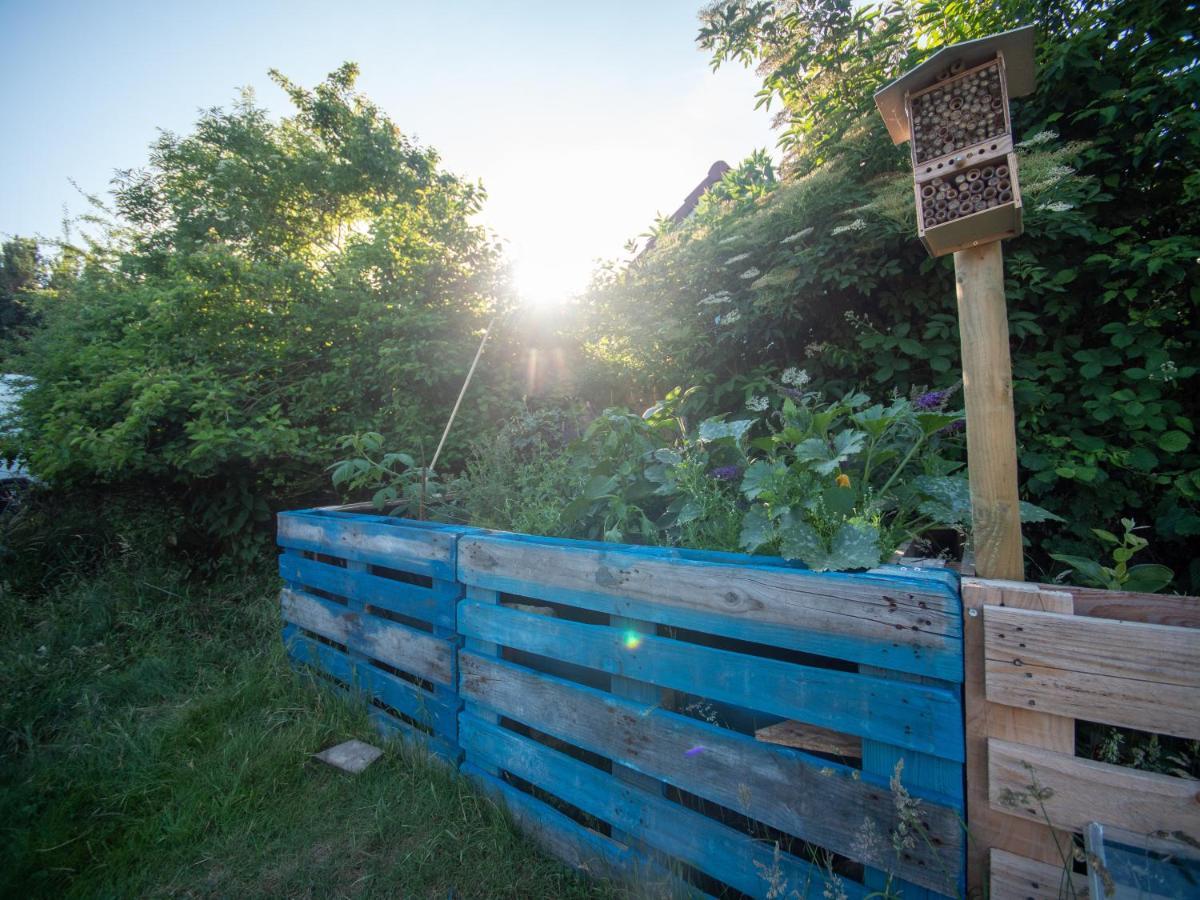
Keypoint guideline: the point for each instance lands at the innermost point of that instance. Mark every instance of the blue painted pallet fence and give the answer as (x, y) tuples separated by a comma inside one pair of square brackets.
[(584, 670), (877, 656), (370, 602)]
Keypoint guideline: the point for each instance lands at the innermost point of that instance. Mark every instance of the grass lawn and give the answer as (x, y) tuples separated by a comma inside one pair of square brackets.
[(155, 742)]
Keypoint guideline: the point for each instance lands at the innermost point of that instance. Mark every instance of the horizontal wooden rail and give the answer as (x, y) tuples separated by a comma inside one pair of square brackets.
[(1071, 792), (1127, 674)]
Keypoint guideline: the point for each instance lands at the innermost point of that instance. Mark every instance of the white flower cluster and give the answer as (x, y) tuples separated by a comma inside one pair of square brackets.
[(738, 258), (1042, 137), (797, 378), (804, 232), (717, 298), (1059, 206), (757, 404), (729, 318), (749, 273), (856, 225), (1168, 371)]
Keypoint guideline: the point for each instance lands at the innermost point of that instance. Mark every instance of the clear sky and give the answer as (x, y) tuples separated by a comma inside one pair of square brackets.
[(582, 120)]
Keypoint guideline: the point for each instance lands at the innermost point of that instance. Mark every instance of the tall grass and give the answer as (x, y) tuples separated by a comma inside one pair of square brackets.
[(155, 742)]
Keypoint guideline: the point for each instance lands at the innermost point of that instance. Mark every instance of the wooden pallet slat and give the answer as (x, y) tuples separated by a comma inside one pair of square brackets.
[(402, 696), (910, 623), (727, 768), (921, 717), (423, 551), (434, 604), (417, 652), (695, 839), (1128, 674), (1078, 791)]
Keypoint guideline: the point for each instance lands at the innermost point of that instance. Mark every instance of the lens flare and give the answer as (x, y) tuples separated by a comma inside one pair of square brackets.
[(632, 640), (695, 751)]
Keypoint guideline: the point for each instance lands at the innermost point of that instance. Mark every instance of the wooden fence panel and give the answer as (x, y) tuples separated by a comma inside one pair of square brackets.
[(1034, 667), (623, 688)]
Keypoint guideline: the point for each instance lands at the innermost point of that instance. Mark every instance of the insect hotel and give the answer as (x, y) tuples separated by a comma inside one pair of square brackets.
[(953, 108)]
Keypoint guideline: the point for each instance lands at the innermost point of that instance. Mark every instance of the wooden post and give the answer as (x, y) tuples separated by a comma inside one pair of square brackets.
[(991, 431)]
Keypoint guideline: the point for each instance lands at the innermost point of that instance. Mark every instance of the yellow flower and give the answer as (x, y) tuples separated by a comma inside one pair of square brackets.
[(843, 480)]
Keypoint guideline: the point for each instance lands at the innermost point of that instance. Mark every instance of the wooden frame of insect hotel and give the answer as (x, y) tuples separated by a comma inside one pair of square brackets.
[(953, 108)]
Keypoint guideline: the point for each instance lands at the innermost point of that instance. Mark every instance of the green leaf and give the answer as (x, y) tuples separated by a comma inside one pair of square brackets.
[(715, 429), (1148, 578), (599, 486), (760, 476), (1173, 441), (1089, 572), (799, 540), (1031, 515), (855, 546), (757, 530)]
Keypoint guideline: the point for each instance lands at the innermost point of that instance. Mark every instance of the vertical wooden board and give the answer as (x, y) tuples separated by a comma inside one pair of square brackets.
[(988, 828), (919, 771), (991, 430), (490, 650)]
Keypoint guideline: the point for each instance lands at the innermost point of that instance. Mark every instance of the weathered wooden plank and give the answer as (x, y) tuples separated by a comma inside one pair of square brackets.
[(890, 621), (727, 855), (402, 696), (988, 827), (427, 604), (782, 788), (802, 736), (1121, 673), (422, 551), (922, 717), (588, 852), (1153, 609), (1077, 791), (413, 651), (1021, 878)]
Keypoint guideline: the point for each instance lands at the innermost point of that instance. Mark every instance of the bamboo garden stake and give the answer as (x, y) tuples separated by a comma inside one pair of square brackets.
[(953, 108)]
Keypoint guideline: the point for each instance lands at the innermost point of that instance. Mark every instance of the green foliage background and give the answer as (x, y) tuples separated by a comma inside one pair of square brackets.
[(261, 288), (823, 270)]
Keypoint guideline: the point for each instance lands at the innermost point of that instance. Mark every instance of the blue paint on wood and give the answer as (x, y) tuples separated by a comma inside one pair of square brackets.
[(943, 662), (691, 837), (435, 604), (920, 717), (404, 697), (422, 551), (586, 851)]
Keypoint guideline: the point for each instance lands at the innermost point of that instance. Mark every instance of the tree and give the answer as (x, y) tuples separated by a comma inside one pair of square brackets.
[(263, 288), (21, 273)]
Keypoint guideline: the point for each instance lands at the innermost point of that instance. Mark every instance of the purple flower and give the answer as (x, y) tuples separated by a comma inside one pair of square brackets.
[(726, 473), (796, 395), (931, 400), (954, 427)]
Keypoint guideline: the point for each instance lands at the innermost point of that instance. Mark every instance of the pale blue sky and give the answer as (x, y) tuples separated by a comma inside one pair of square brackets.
[(582, 120)]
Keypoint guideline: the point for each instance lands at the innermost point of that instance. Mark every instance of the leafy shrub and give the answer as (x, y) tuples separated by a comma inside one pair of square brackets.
[(263, 288), (824, 266)]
